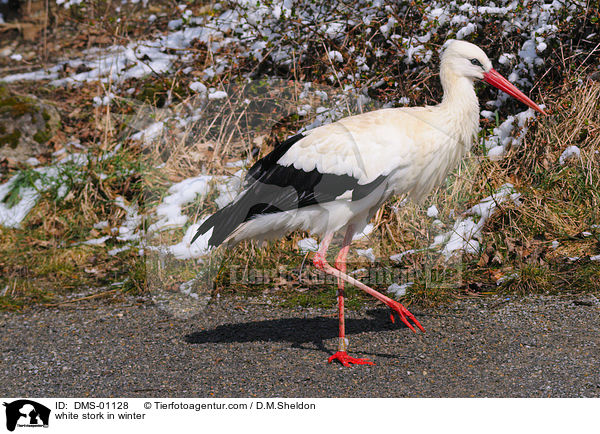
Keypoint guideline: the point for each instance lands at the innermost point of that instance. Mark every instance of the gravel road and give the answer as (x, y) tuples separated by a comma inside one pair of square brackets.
[(492, 347)]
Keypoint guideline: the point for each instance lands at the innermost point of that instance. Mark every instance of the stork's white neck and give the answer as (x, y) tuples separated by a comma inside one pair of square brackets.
[(459, 93), (460, 104)]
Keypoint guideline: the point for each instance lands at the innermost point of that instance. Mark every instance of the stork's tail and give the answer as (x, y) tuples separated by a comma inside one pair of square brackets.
[(223, 223), (256, 199)]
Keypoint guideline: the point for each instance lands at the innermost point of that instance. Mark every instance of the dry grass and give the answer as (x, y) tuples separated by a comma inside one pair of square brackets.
[(43, 261), (557, 203)]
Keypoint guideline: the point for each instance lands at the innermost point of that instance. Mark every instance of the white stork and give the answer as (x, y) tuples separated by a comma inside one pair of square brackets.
[(336, 176)]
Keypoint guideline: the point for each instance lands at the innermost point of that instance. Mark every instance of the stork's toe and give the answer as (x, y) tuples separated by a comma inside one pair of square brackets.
[(346, 360)]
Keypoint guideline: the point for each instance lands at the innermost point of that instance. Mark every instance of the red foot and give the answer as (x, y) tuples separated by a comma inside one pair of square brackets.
[(319, 261), (345, 359), (404, 315)]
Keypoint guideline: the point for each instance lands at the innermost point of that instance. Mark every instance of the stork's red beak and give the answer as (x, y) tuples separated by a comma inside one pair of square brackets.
[(495, 79)]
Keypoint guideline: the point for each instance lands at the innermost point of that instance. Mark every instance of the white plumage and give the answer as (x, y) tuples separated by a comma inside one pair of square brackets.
[(336, 176)]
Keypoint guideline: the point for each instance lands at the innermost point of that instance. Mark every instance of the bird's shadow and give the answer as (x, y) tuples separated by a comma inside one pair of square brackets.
[(297, 331)]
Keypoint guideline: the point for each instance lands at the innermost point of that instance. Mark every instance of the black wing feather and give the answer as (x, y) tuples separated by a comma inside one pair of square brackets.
[(261, 167), (272, 188)]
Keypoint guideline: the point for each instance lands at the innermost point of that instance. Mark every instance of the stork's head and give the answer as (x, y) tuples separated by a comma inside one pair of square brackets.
[(463, 59)]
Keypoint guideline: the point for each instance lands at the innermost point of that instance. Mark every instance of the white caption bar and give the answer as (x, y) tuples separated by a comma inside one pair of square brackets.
[(137, 415)]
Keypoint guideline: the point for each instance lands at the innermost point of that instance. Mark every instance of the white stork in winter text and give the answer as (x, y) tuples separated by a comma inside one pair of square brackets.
[(336, 176)]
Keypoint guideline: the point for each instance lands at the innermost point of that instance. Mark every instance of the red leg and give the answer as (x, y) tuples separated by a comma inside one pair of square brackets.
[(340, 263), (320, 262)]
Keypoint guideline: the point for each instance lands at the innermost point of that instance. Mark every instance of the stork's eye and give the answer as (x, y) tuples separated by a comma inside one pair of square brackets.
[(476, 62)]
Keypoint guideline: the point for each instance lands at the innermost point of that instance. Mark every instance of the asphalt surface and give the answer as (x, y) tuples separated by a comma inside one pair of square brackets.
[(492, 347)]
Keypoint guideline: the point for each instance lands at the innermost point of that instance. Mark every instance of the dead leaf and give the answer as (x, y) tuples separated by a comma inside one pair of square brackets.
[(483, 261), (496, 275)]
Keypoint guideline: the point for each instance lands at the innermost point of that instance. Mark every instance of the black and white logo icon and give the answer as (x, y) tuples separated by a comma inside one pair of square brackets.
[(26, 413)]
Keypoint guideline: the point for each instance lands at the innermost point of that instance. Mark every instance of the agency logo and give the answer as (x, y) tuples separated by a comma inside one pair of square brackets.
[(26, 413)]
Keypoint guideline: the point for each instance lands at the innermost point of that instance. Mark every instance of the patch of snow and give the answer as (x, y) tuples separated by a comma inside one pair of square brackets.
[(387, 27), (101, 225), (399, 290), (438, 14), (366, 253), (336, 56), (128, 230), (465, 233), (68, 3), (335, 30), (496, 153), (175, 24), (462, 238), (238, 163), (466, 30), (103, 101), (53, 176), (198, 87), (12, 217), (169, 211), (200, 248), (32, 76), (229, 188), (117, 250), (59, 152), (508, 134), (398, 257), (365, 233), (217, 94), (304, 109), (186, 288), (571, 152), (134, 60), (506, 58), (432, 211), (150, 133), (308, 245), (96, 241)]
